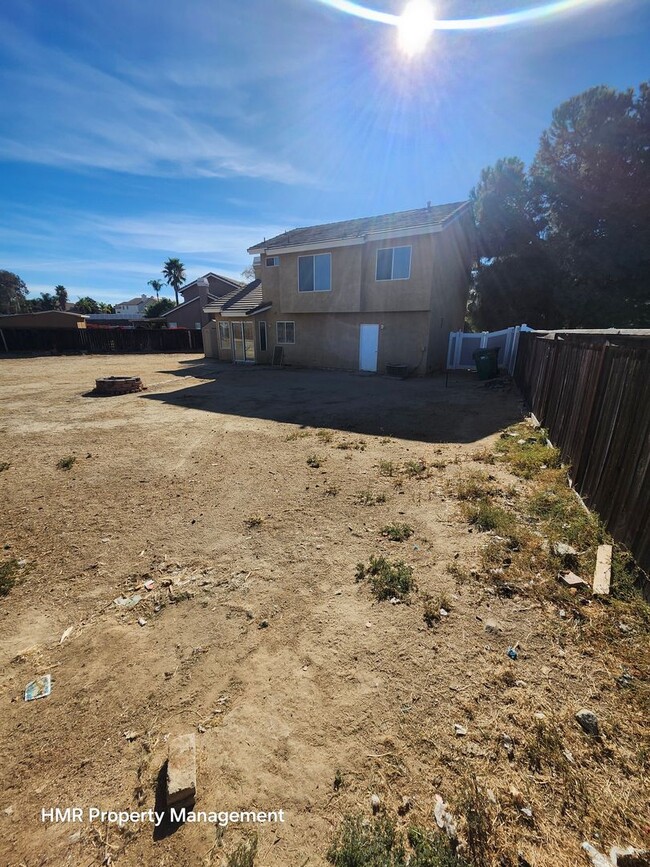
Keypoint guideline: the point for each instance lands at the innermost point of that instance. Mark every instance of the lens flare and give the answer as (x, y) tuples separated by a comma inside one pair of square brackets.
[(415, 26), (522, 16)]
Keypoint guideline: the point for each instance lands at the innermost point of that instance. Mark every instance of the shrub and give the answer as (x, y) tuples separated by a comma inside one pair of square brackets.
[(397, 532), (66, 463), (387, 580)]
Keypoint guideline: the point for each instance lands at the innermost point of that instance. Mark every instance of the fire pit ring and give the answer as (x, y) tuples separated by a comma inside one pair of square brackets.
[(109, 385)]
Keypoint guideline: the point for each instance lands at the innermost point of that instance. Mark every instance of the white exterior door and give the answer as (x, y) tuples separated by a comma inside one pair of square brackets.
[(368, 347)]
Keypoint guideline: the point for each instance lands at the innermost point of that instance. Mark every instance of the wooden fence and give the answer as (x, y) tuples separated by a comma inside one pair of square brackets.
[(100, 340), (592, 393)]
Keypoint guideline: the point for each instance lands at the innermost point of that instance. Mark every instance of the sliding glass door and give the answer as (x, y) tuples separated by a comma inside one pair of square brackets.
[(243, 341)]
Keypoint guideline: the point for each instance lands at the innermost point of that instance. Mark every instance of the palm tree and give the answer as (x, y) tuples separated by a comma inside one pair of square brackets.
[(156, 285), (174, 273), (61, 294)]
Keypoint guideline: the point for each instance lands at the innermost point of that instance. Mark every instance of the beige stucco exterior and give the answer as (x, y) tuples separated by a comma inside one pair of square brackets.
[(414, 315)]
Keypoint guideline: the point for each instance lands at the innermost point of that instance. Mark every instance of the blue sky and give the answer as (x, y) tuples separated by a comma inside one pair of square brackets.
[(133, 131)]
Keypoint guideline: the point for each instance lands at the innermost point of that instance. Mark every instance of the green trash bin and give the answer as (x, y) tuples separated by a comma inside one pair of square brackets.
[(486, 363)]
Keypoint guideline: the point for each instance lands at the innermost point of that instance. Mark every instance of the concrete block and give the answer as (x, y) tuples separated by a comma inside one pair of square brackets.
[(181, 770)]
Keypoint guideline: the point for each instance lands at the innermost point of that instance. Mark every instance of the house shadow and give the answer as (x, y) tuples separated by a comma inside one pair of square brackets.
[(425, 409)]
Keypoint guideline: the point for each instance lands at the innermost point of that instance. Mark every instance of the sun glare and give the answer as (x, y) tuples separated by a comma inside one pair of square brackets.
[(415, 26)]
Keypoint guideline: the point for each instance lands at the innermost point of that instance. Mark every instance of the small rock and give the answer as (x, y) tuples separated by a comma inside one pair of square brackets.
[(74, 838), (527, 812), (444, 613), (588, 721), (404, 807), (460, 731), (508, 746), (149, 584), (8, 811), (263, 624), (568, 755), (142, 621), (201, 729), (375, 803), (538, 715), (629, 857), (563, 550), (596, 857), (511, 652), (493, 626), (368, 625), (395, 601)]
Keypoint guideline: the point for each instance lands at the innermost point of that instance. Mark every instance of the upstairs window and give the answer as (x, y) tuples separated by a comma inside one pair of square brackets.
[(315, 273), (394, 263), (272, 261)]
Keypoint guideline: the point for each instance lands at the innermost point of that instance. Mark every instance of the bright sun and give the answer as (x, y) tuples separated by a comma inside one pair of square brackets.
[(415, 26)]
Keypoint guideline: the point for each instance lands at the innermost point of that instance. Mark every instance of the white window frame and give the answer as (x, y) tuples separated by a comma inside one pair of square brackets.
[(272, 261), (379, 279), (313, 256), (284, 342), (225, 343), (262, 328)]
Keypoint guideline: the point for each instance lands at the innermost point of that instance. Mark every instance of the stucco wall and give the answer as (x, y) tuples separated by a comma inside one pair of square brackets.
[(187, 317)]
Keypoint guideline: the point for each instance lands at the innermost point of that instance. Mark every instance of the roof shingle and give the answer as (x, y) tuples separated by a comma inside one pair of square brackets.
[(434, 216)]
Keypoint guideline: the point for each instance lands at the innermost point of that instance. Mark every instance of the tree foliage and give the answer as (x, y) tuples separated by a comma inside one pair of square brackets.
[(157, 308), (174, 273), (61, 294), (13, 293), (156, 285), (87, 305), (567, 244)]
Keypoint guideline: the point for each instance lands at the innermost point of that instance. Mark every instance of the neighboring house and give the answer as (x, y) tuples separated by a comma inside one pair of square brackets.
[(134, 307), (44, 319), (196, 296), (357, 295)]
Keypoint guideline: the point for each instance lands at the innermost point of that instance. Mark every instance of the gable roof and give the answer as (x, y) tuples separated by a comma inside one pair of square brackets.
[(133, 302), (196, 300), (241, 302), (431, 218), (234, 283)]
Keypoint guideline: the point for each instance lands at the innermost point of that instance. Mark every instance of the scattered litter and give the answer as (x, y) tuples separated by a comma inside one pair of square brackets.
[(395, 601), (444, 819), (588, 721), (625, 679), (508, 746), (66, 634), (142, 621), (201, 729), (596, 857), (8, 811), (459, 730), (570, 579), (131, 735), (375, 803), (149, 584), (22, 562), (562, 613), (623, 627), (127, 601), (39, 688), (368, 625), (568, 755), (444, 613), (512, 653), (527, 812), (520, 683)]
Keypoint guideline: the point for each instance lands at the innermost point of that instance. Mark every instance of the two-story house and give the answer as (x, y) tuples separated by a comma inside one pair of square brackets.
[(196, 296), (358, 295), (135, 307)]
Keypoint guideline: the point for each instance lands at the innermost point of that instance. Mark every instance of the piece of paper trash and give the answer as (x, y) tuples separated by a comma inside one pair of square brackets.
[(39, 688), (127, 601), (66, 634)]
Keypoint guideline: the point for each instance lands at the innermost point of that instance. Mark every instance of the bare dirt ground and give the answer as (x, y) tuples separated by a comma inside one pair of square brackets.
[(216, 484)]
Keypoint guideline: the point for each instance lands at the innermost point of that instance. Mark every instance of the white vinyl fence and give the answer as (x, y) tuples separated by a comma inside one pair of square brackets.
[(462, 345)]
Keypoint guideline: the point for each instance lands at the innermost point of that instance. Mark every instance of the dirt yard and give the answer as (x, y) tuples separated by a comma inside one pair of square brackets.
[(248, 496)]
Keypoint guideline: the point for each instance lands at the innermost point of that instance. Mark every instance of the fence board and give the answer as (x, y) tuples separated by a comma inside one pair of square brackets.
[(594, 398), (101, 340)]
